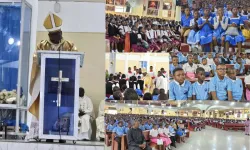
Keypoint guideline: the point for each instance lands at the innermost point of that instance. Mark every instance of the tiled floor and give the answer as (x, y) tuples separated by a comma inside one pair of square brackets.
[(20, 145), (214, 139)]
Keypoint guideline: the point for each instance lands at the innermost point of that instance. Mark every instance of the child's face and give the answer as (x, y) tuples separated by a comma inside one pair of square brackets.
[(232, 75), (179, 76), (209, 55), (244, 56), (187, 11), (220, 12), (201, 75), (239, 60), (175, 60), (235, 11), (190, 59), (206, 12), (204, 62)]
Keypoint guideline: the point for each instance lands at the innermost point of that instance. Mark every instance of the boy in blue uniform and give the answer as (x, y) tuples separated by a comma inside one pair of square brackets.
[(174, 65), (111, 126), (185, 24), (220, 86), (237, 86), (119, 131), (180, 89), (206, 27), (239, 67), (200, 87), (182, 56)]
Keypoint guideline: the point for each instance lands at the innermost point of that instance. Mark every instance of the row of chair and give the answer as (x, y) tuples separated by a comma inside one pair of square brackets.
[(110, 140), (227, 126)]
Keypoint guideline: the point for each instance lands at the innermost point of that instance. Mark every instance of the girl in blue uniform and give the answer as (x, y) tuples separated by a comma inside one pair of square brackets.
[(220, 26), (206, 30), (194, 34), (233, 34)]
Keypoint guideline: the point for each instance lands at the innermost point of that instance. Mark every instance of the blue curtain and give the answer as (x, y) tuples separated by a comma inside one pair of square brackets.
[(10, 18)]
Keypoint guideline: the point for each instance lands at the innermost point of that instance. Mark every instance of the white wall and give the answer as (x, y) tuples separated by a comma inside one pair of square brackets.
[(88, 22)]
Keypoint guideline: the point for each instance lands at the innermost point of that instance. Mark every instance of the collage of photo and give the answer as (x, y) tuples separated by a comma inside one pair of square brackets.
[(176, 82), (124, 75)]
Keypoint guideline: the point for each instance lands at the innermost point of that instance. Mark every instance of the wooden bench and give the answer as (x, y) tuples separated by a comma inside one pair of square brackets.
[(233, 126)]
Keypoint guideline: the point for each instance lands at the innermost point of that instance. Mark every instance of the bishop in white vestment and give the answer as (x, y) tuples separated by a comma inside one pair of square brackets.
[(85, 113)]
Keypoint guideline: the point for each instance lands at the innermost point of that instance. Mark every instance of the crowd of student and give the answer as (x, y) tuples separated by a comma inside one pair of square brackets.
[(217, 24), (205, 77), (137, 85), (165, 128), (145, 33)]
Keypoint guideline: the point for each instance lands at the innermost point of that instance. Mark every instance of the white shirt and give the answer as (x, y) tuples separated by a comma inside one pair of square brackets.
[(248, 61), (247, 79), (160, 130), (86, 104), (166, 131), (207, 68), (151, 74), (153, 133), (210, 61), (187, 68), (161, 83), (130, 74)]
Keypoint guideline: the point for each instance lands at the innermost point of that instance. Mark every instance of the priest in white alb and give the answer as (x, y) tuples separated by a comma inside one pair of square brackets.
[(100, 125), (85, 116)]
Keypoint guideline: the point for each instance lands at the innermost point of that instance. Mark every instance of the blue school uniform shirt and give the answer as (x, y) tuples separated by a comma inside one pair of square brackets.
[(201, 91), (181, 58), (237, 89), (119, 130), (244, 61), (185, 22), (180, 92), (111, 127), (231, 61), (142, 127), (148, 127), (206, 29), (171, 129), (243, 18), (155, 97), (220, 87), (213, 67), (172, 67), (237, 67), (228, 13)]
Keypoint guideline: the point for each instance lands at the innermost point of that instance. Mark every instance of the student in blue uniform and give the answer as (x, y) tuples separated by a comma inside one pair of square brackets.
[(228, 12), (142, 126), (119, 131), (149, 125), (239, 67), (220, 86), (185, 24), (194, 35), (220, 26), (111, 126), (200, 87), (206, 30), (182, 57), (174, 65), (237, 86), (180, 89), (233, 34)]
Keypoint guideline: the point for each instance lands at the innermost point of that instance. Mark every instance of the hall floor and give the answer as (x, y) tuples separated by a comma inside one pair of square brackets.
[(216, 139)]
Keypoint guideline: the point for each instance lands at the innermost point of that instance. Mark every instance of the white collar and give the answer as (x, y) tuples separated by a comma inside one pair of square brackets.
[(179, 83)]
